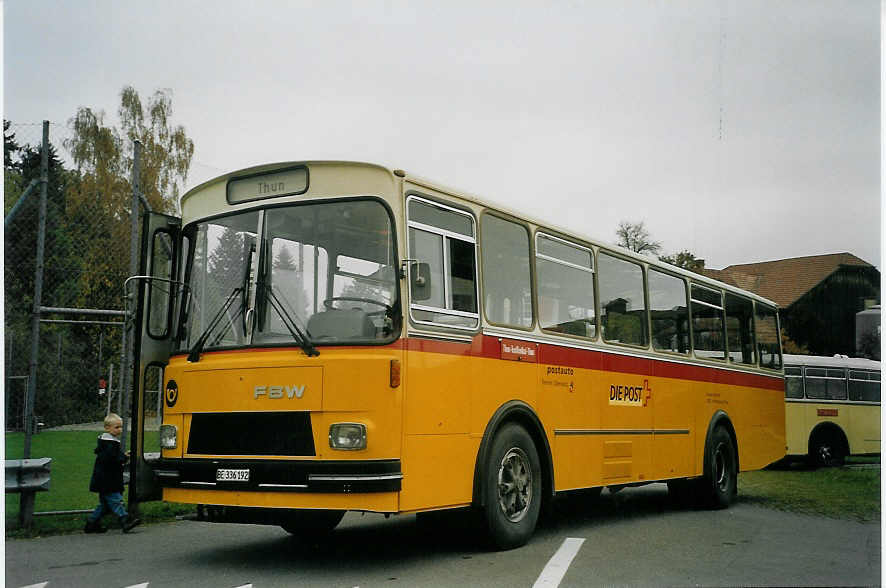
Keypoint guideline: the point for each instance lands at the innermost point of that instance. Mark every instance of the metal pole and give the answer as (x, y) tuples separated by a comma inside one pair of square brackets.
[(110, 387), (26, 504), (127, 376), (83, 311), (20, 204)]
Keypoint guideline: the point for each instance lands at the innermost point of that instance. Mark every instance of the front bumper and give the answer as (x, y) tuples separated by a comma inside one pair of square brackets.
[(343, 477)]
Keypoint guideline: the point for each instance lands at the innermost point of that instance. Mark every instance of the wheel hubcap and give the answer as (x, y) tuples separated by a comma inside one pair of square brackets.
[(721, 468), (515, 484)]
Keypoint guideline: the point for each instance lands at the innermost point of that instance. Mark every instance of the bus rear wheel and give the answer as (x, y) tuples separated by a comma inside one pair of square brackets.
[(719, 484), (512, 488), (311, 522)]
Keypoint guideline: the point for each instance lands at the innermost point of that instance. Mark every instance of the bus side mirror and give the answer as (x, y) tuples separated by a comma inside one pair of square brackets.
[(420, 281)]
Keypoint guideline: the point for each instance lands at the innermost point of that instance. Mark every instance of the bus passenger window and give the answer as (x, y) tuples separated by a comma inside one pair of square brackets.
[(740, 329), (708, 338), (506, 277), (565, 275), (669, 312), (768, 341), (442, 240), (622, 301), (864, 386), (793, 382), (428, 247), (825, 384)]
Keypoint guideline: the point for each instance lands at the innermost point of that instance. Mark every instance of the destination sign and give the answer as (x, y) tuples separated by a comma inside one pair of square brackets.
[(268, 185)]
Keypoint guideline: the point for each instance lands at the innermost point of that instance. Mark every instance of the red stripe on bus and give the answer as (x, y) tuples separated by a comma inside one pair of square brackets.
[(489, 347)]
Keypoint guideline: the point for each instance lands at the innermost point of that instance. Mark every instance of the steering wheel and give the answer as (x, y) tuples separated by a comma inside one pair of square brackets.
[(329, 301)]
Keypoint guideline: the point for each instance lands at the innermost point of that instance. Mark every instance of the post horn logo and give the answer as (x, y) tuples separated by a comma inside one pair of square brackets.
[(171, 393)]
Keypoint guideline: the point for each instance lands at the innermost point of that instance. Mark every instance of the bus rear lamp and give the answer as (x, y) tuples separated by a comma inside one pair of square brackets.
[(168, 437), (347, 436)]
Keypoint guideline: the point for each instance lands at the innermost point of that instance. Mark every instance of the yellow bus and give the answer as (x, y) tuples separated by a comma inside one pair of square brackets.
[(346, 337), (832, 408)]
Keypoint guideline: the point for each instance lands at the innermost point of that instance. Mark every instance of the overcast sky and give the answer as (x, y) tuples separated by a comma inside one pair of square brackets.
[(741, 130)]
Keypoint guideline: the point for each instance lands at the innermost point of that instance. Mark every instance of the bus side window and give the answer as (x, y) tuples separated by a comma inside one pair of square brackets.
[(565, 277), (768, 341), (708, 338), (740, 329), (793, 382), (864, 386), (443, 270), (825, 383), (506, 277), (623, 316), (669, 312)]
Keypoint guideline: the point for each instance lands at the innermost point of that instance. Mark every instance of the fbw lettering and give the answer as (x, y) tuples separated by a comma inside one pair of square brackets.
[(279, 391)]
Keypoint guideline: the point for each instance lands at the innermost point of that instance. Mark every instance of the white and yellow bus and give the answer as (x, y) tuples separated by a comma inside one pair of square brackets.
[(832, 408), (345, 337)]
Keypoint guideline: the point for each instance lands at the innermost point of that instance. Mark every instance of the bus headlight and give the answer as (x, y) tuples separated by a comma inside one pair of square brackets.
[(347, 436), (168, 436)]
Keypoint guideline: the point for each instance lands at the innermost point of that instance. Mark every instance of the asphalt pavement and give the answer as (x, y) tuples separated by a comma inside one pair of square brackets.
[(634, 538)]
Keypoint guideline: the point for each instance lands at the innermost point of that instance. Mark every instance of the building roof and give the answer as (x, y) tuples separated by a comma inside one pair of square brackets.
[(784, 281)]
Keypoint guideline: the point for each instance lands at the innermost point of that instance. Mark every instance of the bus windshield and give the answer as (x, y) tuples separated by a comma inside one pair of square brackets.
[(309, 274)]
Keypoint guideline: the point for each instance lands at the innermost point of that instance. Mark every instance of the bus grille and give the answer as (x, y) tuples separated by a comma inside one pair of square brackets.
[(251, 433)]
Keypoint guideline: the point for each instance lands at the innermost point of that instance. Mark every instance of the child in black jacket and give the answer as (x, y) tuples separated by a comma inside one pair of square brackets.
[(107, 478)]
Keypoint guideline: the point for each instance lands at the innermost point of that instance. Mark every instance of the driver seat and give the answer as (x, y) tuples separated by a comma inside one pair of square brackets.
[(351, 323)]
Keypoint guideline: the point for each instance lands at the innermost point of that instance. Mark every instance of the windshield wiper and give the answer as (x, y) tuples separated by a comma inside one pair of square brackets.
[(303, 340), (194, 353)]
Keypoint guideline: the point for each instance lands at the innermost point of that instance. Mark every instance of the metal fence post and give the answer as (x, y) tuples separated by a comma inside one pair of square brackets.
[(127, 373), (26, 504)]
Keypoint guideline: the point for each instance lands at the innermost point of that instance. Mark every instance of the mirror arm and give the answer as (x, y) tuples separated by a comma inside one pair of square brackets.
[(404, 267)]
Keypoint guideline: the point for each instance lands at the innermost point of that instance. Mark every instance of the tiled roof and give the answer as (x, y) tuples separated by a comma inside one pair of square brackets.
[(784, 281)]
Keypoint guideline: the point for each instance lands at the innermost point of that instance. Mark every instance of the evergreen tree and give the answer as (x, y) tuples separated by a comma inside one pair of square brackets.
[(227, 258), (285, 260), (12, 173)]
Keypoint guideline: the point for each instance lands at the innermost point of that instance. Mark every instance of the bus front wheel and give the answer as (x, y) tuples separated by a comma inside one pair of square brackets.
[(512, 488), (719, 485), (311, 522)]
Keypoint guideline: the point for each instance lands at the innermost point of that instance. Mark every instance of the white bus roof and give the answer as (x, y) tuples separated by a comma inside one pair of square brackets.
[(839, 361), (485, 202)]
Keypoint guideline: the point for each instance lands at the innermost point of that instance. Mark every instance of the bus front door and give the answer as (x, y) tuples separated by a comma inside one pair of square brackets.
[(157, 294)]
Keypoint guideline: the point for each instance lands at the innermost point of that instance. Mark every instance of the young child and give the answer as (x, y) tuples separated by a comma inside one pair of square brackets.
[(107, 478)]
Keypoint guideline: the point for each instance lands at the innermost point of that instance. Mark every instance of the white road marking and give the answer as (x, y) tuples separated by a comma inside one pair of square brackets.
[(553, 573), (40, 585), (245, 586), (145, 585)]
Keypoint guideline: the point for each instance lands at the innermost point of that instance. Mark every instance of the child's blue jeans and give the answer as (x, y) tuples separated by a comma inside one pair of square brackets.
[(112, 503)]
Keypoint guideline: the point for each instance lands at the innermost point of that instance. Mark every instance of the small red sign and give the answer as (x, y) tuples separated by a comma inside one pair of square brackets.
[(519, 351), (828, 412)]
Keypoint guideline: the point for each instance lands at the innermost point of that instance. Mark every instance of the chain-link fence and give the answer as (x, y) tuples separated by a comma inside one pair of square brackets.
[(86, 259)]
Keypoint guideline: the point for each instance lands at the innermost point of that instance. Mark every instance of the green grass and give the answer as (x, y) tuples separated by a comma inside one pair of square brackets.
[(72, 458), (842, 493)]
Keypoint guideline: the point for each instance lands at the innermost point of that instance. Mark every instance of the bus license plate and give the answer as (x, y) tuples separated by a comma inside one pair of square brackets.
[(222, 475)]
